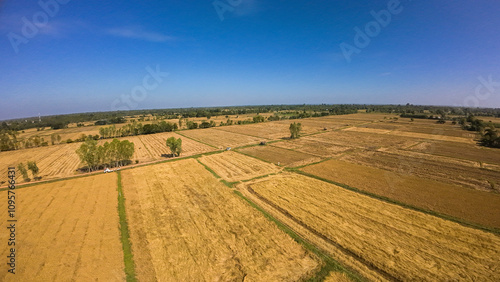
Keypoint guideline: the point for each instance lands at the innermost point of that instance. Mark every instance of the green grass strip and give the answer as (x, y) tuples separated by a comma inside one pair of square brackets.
[(329, 263), (209, 169), (128, 257), (404, 205), (225, 182), (229, 184)]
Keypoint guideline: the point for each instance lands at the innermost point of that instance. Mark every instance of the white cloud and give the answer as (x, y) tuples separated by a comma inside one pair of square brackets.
[(139, 33)]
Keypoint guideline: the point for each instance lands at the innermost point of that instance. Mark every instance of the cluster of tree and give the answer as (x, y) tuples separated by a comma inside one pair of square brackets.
[(84, 137), (295, 129), (9, 141), (111, 154), (54, 137), (490, 138), (487, 130), (113, 120), (191, 124), (136, 128), (175, 146), (258, 118), (24, 172), (472, 123)]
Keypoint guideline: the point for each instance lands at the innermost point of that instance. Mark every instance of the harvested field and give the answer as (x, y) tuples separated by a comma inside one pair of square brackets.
[(447, 170), (459, 150), (232, 166), (53, 161), (219, 138), (436, 136), (279, 155), (153, 146), (364, 140), (186, 225), (317, 148), (391, 241), (470, 205), (424, 128), (67, 231), (267, 130)]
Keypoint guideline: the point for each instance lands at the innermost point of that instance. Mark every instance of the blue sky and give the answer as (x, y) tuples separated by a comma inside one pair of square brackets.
[(95, 55)]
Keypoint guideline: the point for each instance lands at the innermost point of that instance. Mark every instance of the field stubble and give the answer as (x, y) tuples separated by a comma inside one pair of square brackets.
[(66, 231), (186, 225), (403, 243)]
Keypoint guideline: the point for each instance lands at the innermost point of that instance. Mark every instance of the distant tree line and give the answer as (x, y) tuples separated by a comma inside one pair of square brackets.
[(137, 128), (104, 118)]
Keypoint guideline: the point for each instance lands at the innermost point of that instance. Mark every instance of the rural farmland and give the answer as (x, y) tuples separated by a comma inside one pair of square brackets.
[(250, 141), (67, 231), (349, 199), (204, 231)]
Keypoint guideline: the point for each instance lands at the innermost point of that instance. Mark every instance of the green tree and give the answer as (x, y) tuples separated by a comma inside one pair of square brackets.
[(22, 169), (34, 169), (125, 151), (53, 138), (175, 146), (258, 118), (88, 154), (295, 129)]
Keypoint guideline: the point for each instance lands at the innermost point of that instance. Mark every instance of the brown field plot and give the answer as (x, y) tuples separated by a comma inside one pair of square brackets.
[(219, 138), (266, 130), (459, 150), (66, 231), (444, 169), (364, 140), (233, 166), (319, 148), (186, 225), (53, 161), (437, 135), (151, 147), (470, 205), (391, 241), (279, 155)]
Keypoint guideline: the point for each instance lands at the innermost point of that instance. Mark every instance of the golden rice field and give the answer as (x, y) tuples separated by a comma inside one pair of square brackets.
[(232, 166), (312, 145), (277, 155), (220, 139), (53, 161), (445, 169), (380, 240), (151, 147), (436, 136), (66, 231), (185, 225), (474, 206)]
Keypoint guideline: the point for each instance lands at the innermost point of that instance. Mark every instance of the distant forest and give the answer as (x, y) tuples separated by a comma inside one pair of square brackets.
[(295, 111)]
